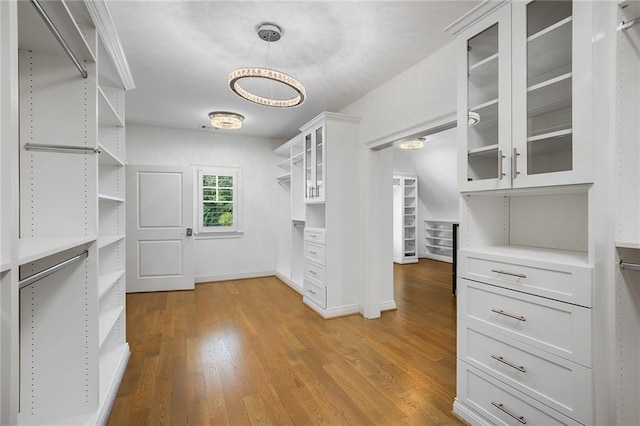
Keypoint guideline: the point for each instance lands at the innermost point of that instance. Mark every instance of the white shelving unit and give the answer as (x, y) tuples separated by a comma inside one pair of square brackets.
[(438, 235), (627, 226), (405, 218), (526, 241), (291, 214), (61, 355)]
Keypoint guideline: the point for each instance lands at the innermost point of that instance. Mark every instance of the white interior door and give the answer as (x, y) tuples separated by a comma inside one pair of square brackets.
[(159, 215)]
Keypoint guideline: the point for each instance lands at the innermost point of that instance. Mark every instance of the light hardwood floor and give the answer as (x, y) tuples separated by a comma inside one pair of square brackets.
[(249, 352)]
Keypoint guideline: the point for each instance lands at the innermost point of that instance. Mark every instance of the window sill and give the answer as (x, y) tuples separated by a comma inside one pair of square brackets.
[(218, 235)]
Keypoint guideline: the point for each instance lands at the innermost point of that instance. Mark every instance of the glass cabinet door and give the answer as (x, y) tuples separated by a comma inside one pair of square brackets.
[(319, 163), (308, 166), (482, 105), (486, 120), (549, 82), (552, 93)]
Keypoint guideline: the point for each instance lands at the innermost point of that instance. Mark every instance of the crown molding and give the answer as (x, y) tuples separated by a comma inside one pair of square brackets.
[(107, 31), (478, 12)]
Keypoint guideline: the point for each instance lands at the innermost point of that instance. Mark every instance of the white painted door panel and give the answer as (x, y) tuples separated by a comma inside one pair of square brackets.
[(159, 252)]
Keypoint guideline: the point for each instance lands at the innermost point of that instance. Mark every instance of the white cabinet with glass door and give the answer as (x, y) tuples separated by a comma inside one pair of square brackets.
[(525, 97), (314, 164)]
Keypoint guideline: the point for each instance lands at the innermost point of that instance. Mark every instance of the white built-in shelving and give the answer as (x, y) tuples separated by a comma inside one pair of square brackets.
[(59, 204), (627, 208), (438, 239), (405, 219), (291, 213)]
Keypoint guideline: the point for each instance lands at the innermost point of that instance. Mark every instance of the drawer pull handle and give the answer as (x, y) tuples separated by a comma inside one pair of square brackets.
[(313, 272), (312, 292), (507, 314), (500, 407), (312, 252), (504, 361), (513, 274)]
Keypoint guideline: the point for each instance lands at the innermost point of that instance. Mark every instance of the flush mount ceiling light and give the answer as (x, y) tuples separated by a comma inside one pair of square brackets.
[(269, 33), (474, 118), (413, 144), (226, 120)]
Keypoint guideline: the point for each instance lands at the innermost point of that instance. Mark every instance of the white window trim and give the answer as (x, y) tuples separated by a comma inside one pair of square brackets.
[(234, 231)]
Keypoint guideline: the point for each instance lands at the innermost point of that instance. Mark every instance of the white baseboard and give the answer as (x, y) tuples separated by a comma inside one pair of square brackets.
[(294, 285), (447, 259), (227, 277), (388, 306), (468, 414), (105, 409), (341, 311)]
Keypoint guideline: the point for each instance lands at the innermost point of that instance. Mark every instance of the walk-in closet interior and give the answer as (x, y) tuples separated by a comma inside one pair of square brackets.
[(497, 139)]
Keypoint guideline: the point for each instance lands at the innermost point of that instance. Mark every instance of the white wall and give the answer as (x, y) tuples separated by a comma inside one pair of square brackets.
[(252, 254), (435, 165), (422, 97)]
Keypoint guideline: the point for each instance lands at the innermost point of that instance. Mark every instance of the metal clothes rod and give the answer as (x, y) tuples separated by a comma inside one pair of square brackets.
[(55, 268), (58, 36), (629, 266), (61, 148), (625, 25)]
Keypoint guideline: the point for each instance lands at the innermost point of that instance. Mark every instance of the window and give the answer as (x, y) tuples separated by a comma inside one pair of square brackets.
[(218, 200)]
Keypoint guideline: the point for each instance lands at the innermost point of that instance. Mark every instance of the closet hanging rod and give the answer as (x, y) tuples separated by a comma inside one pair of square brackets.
[(629, 266), (626, 25), (58, 36), (55, 268), (61, 148)]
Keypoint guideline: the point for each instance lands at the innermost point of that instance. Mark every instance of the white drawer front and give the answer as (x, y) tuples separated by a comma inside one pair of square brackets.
[(315, 235), (560, 328), (314, 271), (501, 404), (315, 292), (567, 283), (314, 252), (554, 381)]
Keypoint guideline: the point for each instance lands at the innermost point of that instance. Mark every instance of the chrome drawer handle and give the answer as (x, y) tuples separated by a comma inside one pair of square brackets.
[(513, 274), (507, 314), (312, 292), (313, 272), (500, 407), (312, 252), (504, 361)]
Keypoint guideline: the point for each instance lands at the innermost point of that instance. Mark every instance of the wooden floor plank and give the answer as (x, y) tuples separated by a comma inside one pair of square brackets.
[(246, 352)]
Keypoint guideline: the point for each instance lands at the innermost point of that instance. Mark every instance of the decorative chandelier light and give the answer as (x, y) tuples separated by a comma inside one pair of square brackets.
[(413, 144), (474, 118), (269, 33), (226, 120)]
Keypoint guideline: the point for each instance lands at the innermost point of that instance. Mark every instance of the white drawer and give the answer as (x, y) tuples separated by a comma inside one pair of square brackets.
[(554, 381), (501, 404), (315, 252), (560, 328), (567, 283), (315, 292), (315, 235), (315, 271)]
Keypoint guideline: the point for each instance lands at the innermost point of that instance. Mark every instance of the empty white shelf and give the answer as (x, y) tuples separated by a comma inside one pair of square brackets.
[(107, 321), (628, 244), (107, 281), (108, 158), (106, 112), (104, 197), (108, 240), (32, 249), (483, 150)]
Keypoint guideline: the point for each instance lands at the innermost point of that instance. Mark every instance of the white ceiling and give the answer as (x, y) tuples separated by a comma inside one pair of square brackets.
[(180, 53)]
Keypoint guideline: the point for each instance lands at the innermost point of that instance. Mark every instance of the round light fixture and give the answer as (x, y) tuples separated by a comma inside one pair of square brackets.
[(226, 120), (269, 33), (412, 144), (474, 118)]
